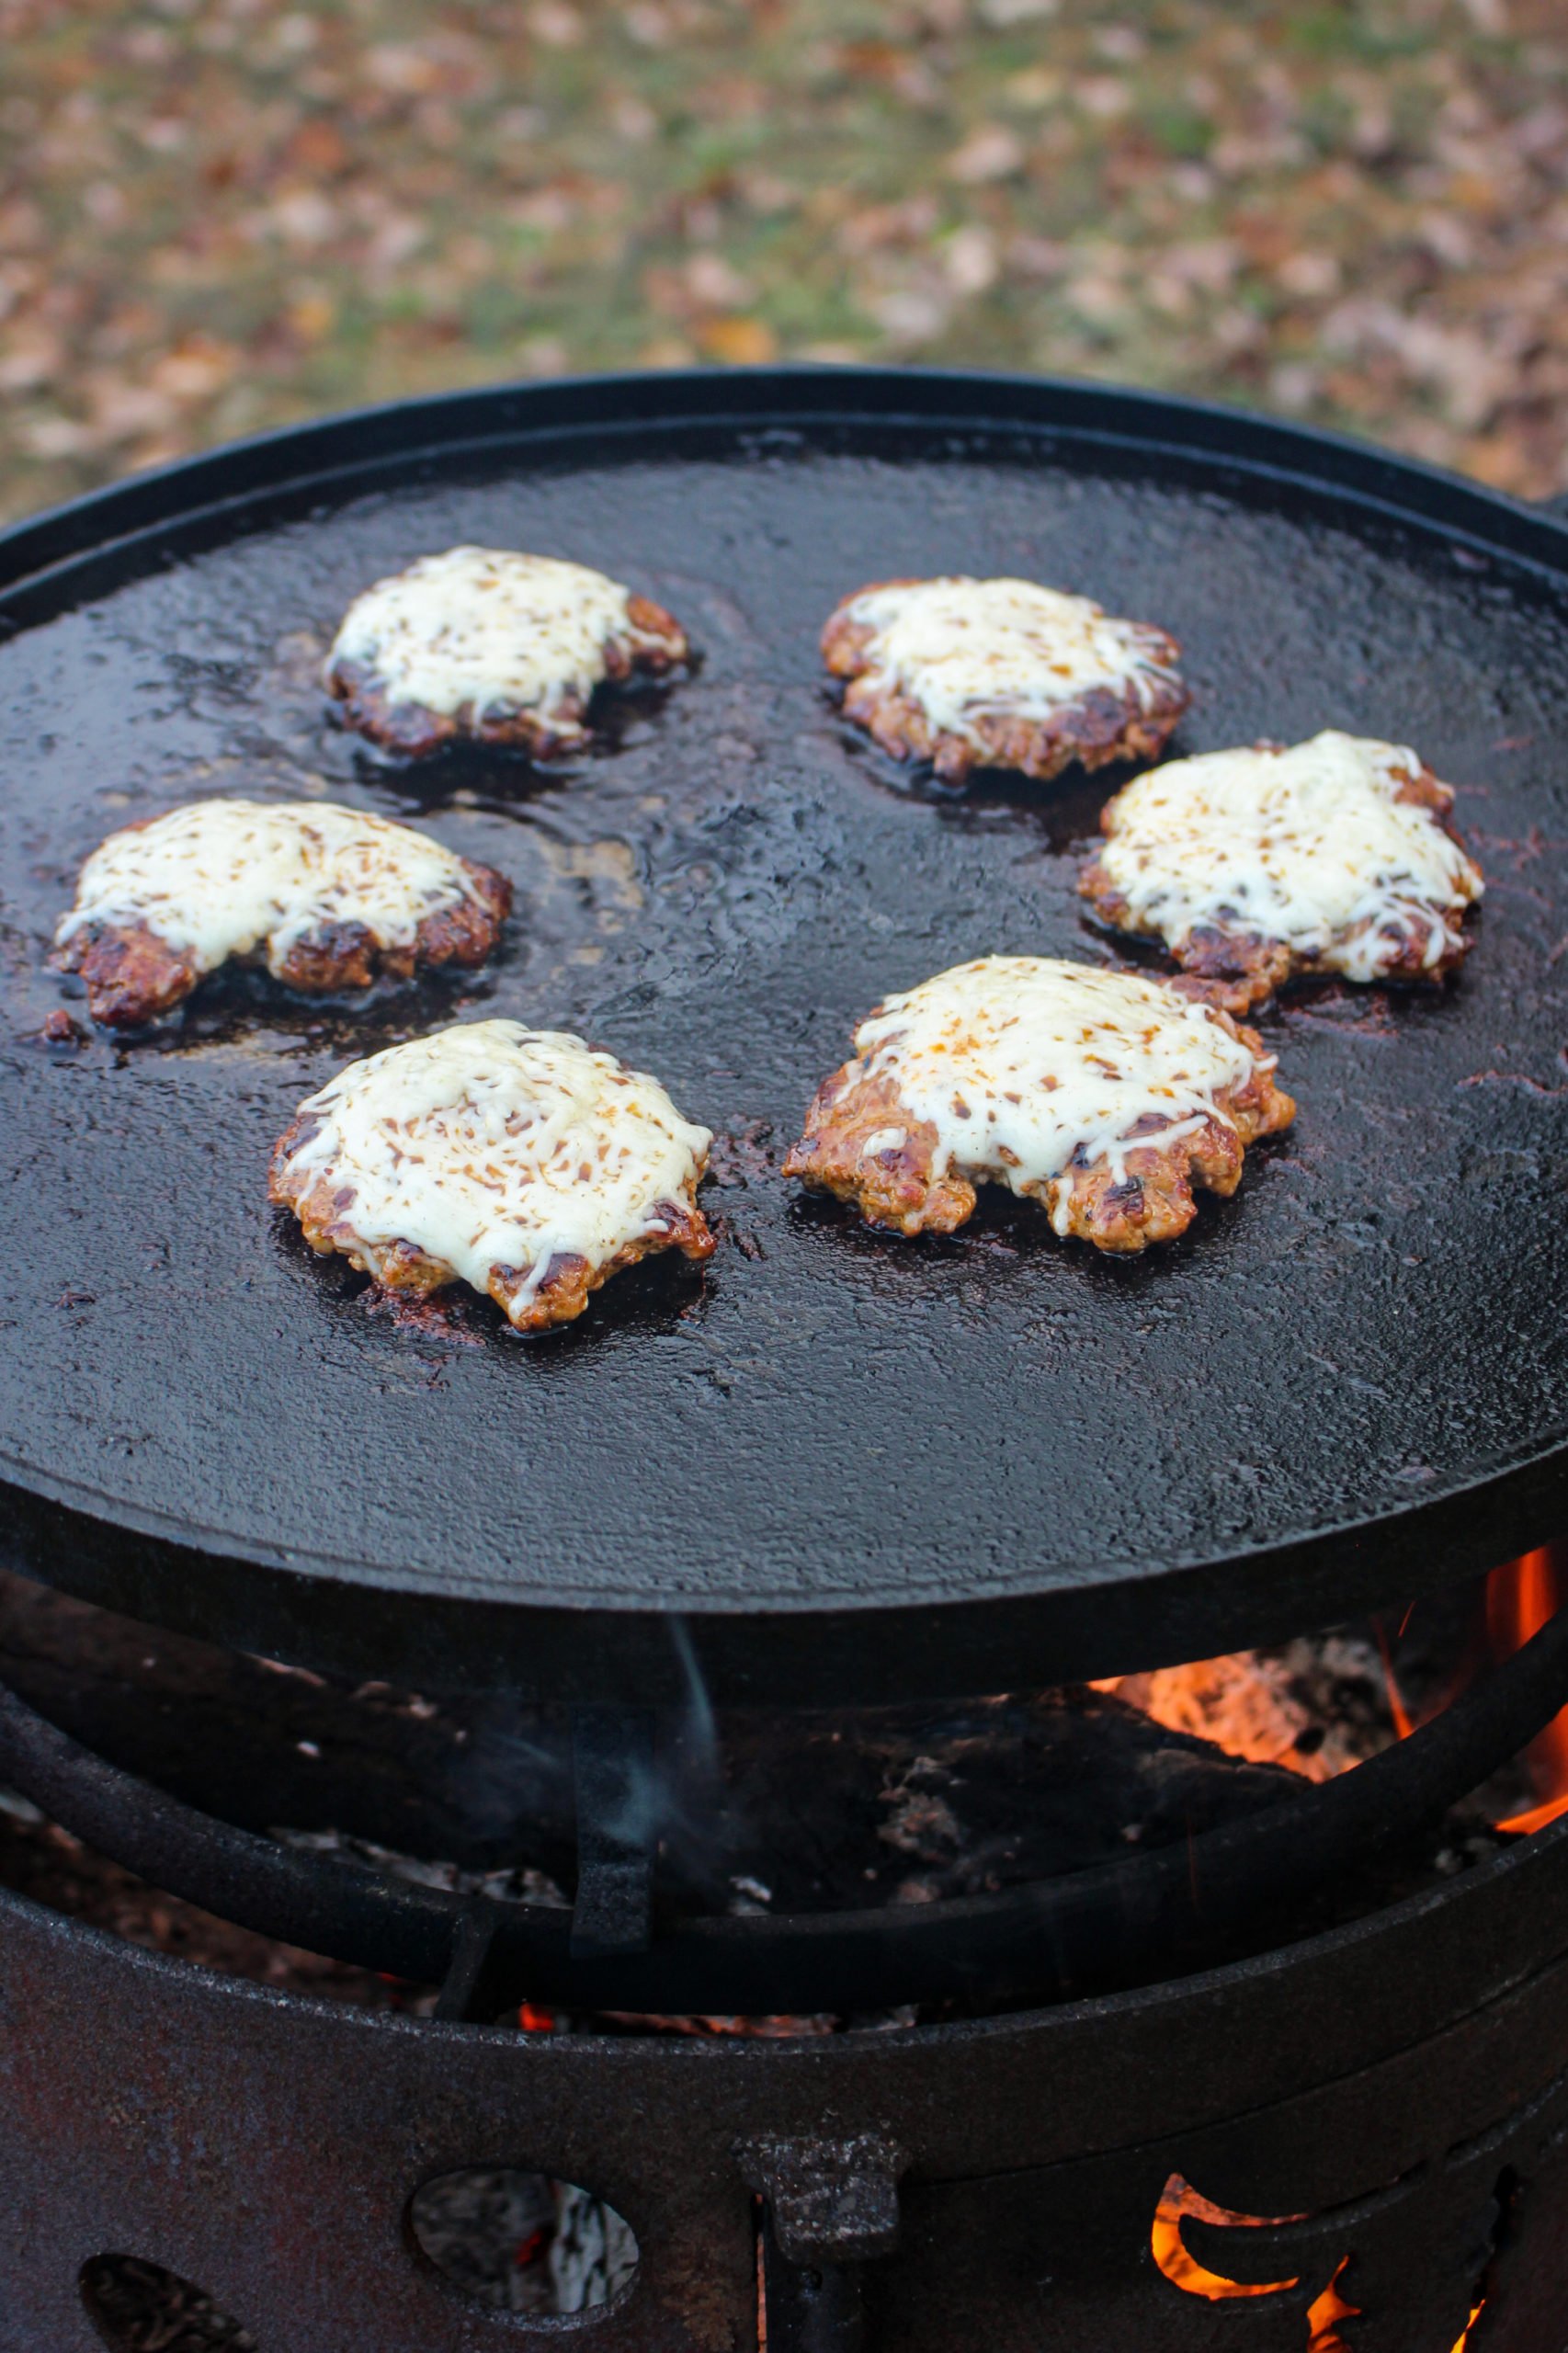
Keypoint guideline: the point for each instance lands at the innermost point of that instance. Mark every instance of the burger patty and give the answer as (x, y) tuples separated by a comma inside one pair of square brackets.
[(561, 1291), (1106, 1097), (1005, 674), (490, 646), (515, 1160), (328, 897), (1335, 856)]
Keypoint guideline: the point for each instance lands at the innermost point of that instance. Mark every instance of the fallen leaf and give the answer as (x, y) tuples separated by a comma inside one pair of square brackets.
[(739, 343), (991, 152)]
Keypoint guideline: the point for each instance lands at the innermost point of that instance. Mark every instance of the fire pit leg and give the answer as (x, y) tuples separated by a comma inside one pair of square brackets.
[(829, 2207), (811, 2308)]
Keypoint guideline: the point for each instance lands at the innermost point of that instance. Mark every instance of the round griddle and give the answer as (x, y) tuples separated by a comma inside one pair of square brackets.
[(837, 1465)]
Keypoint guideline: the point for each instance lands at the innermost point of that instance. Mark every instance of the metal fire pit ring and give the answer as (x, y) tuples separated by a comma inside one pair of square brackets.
[(1401, 2085), (1152, 1915)]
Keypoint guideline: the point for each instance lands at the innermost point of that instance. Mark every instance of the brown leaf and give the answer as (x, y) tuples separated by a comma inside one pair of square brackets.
[(739, 343)]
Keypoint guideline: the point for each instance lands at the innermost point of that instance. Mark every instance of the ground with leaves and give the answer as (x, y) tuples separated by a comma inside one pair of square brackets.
[(219, 215)]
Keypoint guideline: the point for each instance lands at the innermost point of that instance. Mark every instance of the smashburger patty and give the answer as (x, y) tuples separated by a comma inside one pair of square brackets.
[(1102, 1096), (328, 897), (1334, 856), (1002, 673), (516, 1160), (488, 644)]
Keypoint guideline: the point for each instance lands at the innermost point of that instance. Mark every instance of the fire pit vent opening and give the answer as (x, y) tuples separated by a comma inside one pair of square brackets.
[(137, 2306), (520, 2242)]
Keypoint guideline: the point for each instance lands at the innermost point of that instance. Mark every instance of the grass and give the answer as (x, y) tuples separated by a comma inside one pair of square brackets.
[(217, 215)]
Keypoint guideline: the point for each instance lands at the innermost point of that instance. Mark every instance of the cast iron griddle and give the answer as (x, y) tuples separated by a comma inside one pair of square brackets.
[(838, 1464)]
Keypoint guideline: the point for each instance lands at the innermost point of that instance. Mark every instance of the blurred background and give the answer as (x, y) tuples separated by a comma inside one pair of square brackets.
[(219, 215)]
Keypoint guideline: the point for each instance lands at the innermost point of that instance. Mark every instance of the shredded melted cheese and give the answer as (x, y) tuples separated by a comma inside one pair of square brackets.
[(484, 630), (491, 1145), (1032, 1069), (966, 650), (224, 878), (1309, 845)]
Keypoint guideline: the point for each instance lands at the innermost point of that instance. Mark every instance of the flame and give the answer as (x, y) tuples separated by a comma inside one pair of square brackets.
[(1403, 1722), (1324, 2317), (1520, 1598), (1183, 2270), (1246, 1702), (1243, 1702)]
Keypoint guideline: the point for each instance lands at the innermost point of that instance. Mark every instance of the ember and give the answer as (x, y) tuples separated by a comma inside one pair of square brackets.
[(1310, 1707), (1307, 1707)]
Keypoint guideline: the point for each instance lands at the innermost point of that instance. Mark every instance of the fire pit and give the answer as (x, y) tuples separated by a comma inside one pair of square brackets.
[(710, 1830), (1362, 2124)]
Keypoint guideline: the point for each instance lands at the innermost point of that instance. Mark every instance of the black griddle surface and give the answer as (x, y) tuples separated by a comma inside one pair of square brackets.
[(836, 1464)]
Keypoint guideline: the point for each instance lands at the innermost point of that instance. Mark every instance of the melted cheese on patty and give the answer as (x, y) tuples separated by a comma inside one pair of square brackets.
[(1029, 1068), (1310, 845), (968, 649), (493, 1145), (484, 629), (221, 877)]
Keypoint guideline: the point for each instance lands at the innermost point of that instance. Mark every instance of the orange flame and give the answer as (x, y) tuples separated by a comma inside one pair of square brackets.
[(1243, 1702), (1403, 1722), (1520, 1598), (1246, 1702), (1183, 2270), (1244, 1705), (1322, 2318)]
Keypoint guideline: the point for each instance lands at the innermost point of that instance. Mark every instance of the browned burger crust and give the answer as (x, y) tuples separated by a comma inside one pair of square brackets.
[(414, 731), (132, 977), (895, 1187), (326, 1215), (131, 974), (1239, 971), (1099, 726), (1152, 1201)]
